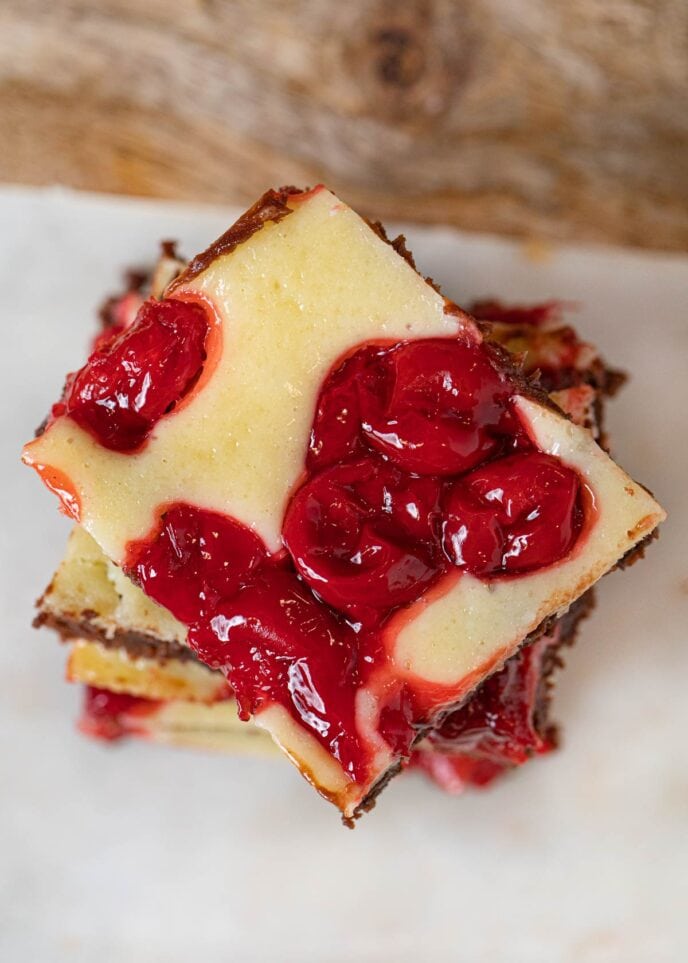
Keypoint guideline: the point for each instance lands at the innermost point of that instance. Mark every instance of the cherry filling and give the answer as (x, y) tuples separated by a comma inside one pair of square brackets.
[(196, 559), (112, 715), (417, 465), (499, 722), (501, 725), (436, 408), (130, 382), (519, 513), (251, 616), (362, 534), (432, 407), (278, 644)]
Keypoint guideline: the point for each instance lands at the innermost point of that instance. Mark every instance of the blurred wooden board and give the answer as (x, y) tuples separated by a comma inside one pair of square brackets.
[(548, 119)]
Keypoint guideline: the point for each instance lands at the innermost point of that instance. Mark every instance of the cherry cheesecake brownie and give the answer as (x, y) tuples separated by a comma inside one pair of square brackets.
[(339, 492)]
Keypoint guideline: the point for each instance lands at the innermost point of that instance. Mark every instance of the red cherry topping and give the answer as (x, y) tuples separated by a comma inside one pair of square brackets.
[(195, 559), (396, 722), (111, 715), (432, 407), (361, 534), (336, 432), (499, 722), (514, 515), (502, 725), (278, 644), (416, 461), (437, 407), (129, 383)]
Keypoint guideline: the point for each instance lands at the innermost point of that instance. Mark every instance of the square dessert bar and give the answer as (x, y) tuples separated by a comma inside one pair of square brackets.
[(357, 506), (143, 681)]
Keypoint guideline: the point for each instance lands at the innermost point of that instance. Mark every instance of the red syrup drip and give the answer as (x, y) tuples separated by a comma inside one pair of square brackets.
[(454, 772), (499, 723), (407, 444), (496, 730), (110, 715), (130, 381)]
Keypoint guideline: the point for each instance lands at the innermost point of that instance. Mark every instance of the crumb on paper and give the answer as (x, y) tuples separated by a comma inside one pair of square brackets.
[(538, 251)]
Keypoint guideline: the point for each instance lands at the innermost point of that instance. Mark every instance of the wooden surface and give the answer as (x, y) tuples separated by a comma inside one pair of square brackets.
[(546, 118)]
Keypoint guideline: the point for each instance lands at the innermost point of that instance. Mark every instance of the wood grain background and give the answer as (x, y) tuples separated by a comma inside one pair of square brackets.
[(545, 118)]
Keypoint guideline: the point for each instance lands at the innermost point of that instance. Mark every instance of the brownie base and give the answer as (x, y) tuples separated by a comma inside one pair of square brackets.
[(569, 624), (135, 644)]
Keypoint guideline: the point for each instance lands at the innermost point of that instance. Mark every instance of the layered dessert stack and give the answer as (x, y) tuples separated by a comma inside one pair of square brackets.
[(313, 493)]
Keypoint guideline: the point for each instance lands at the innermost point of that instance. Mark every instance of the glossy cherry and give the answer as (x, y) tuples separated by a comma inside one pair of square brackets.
[(130, 382), (433, 407), (193, 560), (514, 515), (278, 645), (362, 535), (336, 434), (500, 721)]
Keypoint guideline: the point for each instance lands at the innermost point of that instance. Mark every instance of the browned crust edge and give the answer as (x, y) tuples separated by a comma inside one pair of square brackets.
[(370, 800), (272, 206), (570, 624), (637, 552)]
